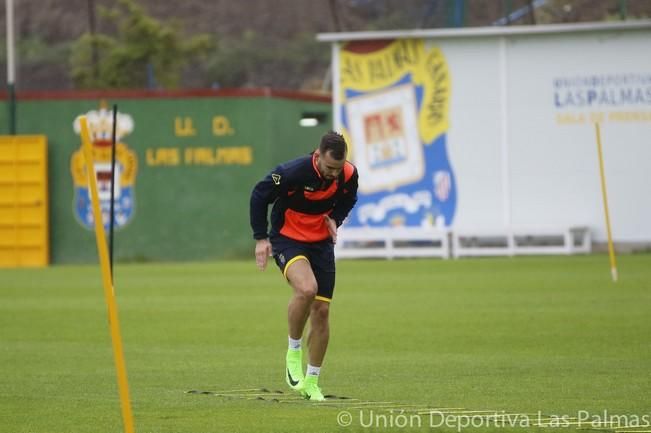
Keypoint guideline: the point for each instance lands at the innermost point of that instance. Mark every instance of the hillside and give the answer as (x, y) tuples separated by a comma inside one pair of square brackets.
[(261, 42)]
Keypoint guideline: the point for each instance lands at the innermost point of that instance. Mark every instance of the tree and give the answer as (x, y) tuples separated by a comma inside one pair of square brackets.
[(142, 48), (253, 59)]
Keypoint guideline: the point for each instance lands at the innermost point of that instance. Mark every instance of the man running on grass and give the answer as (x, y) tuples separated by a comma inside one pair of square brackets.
[(311, 196)]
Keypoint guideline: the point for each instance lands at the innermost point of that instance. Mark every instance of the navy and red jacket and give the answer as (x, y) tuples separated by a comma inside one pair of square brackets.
[(301, 198)]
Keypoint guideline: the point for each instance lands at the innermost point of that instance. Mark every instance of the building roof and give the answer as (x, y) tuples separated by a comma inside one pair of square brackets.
[(487, 31)]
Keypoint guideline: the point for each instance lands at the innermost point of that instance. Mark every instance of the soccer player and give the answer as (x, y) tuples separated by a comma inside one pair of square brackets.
[(311, 196)]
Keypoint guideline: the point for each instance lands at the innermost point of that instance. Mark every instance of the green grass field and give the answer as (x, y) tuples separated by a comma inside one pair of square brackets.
[(522, 335)]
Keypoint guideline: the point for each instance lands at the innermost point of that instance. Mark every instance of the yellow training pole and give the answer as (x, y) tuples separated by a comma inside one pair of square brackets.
[(109, 293), (611, 249)]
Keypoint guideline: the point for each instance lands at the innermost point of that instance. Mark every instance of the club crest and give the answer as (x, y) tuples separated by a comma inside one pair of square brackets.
[(394, 114), (100, 124)]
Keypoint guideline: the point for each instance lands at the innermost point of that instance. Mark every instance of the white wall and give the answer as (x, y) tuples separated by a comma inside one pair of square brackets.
[(552, 172), (474, 132)]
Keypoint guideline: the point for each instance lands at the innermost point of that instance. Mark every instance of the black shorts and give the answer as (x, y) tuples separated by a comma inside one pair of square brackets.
[(320, 256)]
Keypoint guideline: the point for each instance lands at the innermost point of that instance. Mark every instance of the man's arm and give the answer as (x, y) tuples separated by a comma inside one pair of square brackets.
[(347, 200), (264, 193)]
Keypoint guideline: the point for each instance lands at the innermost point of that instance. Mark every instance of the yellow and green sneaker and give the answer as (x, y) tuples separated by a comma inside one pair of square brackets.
[(311, 390), (294, 368)]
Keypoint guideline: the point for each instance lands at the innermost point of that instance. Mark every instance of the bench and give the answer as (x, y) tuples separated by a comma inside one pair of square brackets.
[(394, 242), (521, 241), (397, 242)]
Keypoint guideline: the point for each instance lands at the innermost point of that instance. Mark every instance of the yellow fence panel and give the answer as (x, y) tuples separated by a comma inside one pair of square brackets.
[(24, 228)]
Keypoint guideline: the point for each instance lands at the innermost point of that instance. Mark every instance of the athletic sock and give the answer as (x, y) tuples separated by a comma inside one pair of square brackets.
[(313, 371), (294, 344)]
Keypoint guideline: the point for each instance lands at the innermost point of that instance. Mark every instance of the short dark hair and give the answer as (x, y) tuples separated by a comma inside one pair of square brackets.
[(334, 143)]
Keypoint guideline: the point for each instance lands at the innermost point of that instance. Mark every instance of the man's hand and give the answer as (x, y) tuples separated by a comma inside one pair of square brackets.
[(332, 228), (262, 253)]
